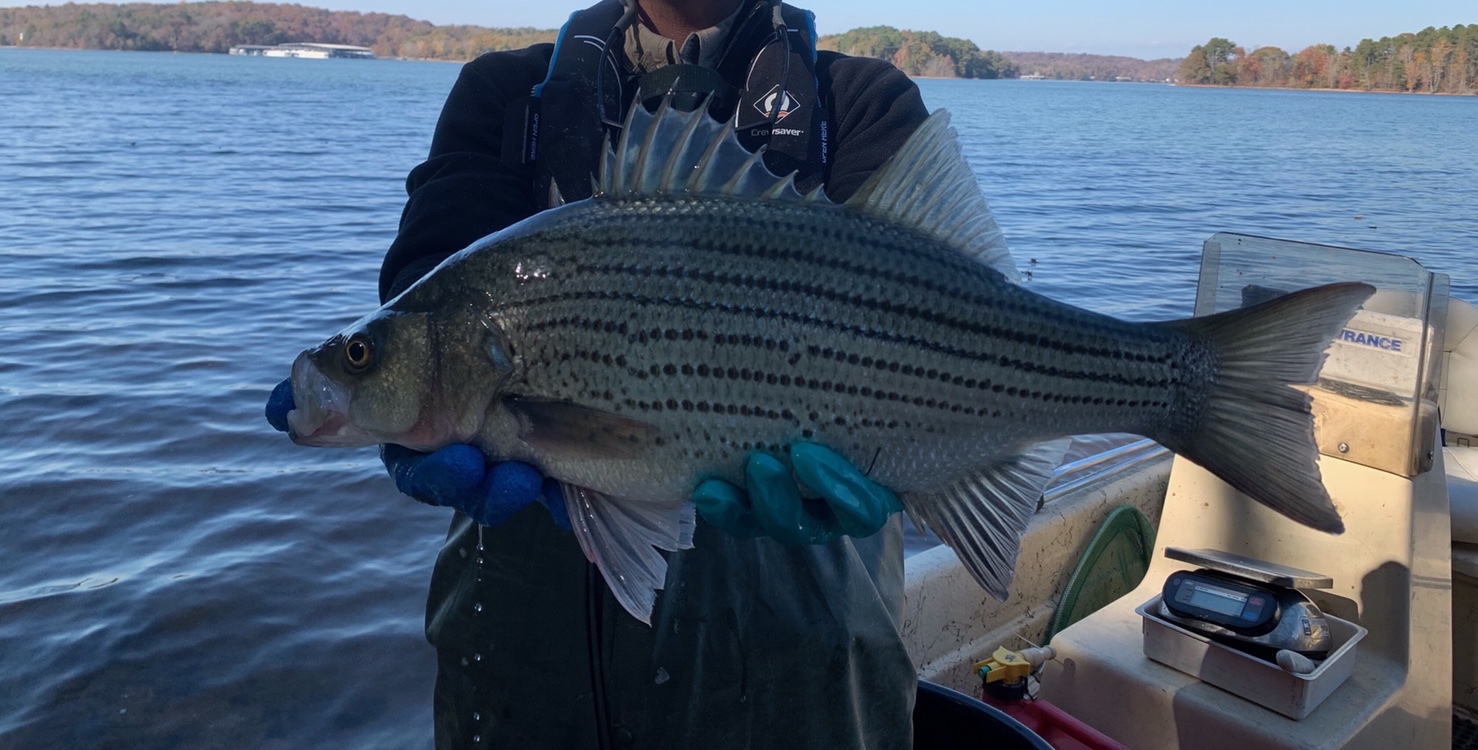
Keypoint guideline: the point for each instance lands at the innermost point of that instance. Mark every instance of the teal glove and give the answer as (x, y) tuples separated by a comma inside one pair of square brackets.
[(850, 504)]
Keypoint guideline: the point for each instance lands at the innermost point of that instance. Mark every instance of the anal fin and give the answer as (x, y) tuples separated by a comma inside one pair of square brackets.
[(622, 537), (982, 517)]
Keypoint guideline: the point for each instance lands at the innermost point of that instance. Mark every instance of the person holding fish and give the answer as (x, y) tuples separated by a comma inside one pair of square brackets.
[(779, 628), (734, 274)]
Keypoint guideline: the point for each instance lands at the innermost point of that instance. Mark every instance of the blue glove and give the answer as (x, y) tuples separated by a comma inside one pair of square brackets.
[(850, 504), (459, 476), (456, 476), (279, 404)]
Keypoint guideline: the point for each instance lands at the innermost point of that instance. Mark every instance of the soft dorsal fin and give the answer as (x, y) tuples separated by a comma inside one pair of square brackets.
[(671, 152), (930, 186)]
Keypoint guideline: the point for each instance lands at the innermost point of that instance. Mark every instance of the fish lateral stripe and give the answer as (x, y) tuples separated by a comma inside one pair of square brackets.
[(1089, 342), (680, 216), (741, 310), (753, 283)]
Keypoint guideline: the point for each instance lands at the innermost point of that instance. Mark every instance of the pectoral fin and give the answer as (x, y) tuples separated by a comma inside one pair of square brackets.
[(574, 431), (982, 517), (622, 538)]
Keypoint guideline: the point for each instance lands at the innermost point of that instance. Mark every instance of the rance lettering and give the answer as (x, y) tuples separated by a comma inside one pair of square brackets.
[(1371, 340)]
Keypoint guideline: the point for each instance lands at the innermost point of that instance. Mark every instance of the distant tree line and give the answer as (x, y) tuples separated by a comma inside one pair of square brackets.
[(1437, 61), (921, 53), (218, 26), (1064, 66)]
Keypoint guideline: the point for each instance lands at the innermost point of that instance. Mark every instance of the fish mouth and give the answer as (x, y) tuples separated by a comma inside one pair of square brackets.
[(320, 414)]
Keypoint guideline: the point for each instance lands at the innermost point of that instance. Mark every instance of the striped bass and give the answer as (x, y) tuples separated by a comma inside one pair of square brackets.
[(698, 308)]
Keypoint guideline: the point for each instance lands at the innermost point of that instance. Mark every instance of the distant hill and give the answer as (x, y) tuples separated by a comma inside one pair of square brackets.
[(1080, 67), (921, 53)]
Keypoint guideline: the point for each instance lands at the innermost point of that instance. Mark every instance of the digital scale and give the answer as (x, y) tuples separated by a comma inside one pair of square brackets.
[(1251, 605)]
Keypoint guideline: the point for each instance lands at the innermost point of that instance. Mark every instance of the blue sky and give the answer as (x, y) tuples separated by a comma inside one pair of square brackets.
[(1155, 28)]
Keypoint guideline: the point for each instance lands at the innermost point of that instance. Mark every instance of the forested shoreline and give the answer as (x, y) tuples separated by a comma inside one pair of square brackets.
[(1078, 66), (215, 27), (1431, 61), (921, 53), (218, 26)]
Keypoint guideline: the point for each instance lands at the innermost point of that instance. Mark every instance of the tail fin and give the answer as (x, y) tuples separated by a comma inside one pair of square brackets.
[(1255, 432)]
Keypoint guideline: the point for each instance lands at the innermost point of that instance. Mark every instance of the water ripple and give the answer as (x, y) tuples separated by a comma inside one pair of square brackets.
[(179, 226)]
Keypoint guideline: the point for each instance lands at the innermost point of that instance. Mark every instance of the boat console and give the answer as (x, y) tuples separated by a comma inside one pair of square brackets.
[(1390, 574)]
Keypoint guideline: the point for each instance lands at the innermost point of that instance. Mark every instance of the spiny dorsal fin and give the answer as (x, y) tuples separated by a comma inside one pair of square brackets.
[(927, 185), (673, 152), (930, 186)]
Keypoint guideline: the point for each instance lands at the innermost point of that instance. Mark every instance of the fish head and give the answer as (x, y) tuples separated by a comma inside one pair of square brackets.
[(421, 379)]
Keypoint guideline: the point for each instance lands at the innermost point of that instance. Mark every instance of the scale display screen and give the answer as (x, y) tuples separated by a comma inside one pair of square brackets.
[(1209, 597), (1220, 600)]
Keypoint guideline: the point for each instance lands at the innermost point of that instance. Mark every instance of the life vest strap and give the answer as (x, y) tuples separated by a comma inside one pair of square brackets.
[(688, 85)]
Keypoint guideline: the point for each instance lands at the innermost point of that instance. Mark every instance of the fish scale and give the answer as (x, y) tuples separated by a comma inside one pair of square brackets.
[(697, 310)]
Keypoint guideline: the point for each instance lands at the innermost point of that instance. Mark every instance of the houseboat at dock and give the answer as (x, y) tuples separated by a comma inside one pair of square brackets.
[(310, 50)]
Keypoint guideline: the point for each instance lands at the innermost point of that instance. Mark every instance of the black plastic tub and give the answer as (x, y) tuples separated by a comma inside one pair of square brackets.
[(945, 719)]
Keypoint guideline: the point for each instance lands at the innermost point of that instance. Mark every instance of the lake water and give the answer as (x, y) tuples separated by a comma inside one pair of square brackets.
[(174, 228)]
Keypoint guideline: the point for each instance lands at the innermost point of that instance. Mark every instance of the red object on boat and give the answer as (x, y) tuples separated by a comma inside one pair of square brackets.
[(1060, 729)]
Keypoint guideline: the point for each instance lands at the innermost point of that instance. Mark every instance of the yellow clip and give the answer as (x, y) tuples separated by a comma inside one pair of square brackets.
[(1004, 664)]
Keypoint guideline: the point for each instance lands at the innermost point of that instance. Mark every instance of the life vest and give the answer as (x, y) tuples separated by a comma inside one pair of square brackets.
[(765, 82)]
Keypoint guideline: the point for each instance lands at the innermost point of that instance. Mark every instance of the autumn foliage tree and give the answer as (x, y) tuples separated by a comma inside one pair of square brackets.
[(1264, 66), (1210, 63)]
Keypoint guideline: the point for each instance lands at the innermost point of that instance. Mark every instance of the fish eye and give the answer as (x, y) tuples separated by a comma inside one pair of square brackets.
[(358, 354)]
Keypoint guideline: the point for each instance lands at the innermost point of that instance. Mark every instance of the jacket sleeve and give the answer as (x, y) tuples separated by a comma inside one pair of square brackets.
[(464, 191), (874, 108)]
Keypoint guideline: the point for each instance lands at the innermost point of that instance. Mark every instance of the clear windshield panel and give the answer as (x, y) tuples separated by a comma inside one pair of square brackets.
[(1375, 402)]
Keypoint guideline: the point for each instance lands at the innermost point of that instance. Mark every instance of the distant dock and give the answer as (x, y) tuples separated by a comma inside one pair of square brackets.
[(309, 50)]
